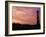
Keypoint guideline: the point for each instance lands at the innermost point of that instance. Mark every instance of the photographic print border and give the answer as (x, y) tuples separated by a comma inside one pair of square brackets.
[(6, 18)]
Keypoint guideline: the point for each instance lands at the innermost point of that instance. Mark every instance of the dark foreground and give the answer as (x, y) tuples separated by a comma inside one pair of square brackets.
[(18, 26)]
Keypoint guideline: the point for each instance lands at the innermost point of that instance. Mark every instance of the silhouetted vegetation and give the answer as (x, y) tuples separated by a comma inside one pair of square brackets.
[(17, 26)]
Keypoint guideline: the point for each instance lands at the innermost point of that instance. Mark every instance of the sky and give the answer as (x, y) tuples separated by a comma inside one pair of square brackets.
[(24, 15)]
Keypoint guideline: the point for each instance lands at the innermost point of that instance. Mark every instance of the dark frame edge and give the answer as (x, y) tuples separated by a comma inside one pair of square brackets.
[(26, 2), (44, 18), (6, 18)]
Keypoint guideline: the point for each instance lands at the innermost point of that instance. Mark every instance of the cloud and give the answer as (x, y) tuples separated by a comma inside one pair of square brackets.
[(24, 15)]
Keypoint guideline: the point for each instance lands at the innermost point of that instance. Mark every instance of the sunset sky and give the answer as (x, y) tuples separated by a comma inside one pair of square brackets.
[(24, 15)]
